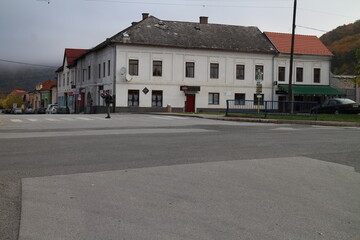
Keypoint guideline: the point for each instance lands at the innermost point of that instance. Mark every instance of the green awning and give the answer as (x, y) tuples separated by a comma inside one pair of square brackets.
[(311, 90)]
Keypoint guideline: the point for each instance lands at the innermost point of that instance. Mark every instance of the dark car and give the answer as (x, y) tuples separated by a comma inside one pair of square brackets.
[(40, 110), (336, 106)]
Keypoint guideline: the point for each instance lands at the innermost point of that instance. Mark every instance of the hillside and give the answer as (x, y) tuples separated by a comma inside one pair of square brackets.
[(343, 42), (23, 78)]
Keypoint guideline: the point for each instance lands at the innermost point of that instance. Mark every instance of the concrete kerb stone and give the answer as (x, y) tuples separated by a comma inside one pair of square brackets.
[(262, 120)]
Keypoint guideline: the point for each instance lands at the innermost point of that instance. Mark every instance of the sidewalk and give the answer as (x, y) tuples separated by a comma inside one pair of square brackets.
[(278, 198), (263, 120)]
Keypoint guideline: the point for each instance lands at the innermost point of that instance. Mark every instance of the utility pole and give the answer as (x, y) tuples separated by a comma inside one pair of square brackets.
[(290, 93)]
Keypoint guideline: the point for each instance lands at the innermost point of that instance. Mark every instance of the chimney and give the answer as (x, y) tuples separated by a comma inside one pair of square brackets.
[(203, 20), (145, 15)]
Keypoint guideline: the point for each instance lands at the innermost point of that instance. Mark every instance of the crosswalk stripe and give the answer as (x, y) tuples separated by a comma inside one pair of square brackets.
[(33, 119), (68, 119), (52, 119), (16, 120), (83, 118)]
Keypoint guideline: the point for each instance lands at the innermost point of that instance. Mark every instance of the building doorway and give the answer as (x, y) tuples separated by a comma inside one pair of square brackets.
[(190, 103)]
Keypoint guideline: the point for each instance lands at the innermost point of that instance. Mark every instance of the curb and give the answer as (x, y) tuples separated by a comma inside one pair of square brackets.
[(261, 120)]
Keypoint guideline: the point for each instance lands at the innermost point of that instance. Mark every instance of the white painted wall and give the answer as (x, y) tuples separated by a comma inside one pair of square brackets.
[(308, 63), (174, 75)]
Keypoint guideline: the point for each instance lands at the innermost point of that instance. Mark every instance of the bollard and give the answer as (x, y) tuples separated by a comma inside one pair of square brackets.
[(169, 108)]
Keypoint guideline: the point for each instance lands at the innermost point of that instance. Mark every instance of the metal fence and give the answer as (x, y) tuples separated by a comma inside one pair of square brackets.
[(297, 108)]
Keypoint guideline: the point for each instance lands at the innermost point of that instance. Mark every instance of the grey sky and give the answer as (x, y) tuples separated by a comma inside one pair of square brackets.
[(37, 32)]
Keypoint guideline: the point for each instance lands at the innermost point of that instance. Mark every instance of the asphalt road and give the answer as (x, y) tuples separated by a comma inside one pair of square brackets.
[(48, 145)]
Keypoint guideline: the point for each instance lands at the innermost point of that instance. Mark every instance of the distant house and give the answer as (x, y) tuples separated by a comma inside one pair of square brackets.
[(18, 92), (42, 96), (21, 93), (311, 67), (66, 79), (346, 84)]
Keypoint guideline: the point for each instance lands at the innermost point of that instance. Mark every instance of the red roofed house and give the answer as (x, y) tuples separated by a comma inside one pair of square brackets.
[(311, 72), (43, 94), (67, 94)]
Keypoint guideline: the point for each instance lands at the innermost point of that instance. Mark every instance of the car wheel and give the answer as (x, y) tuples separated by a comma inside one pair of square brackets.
[(336, 112)]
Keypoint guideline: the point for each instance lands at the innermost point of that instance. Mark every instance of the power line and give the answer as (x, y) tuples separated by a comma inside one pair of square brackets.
[(315, 29), (27, 78), (24, 63), (182, 4)]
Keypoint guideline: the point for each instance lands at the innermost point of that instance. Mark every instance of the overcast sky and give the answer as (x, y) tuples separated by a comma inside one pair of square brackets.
[(34, 31)]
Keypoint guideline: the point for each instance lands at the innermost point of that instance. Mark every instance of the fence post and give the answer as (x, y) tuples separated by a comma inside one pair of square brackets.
[(266, 103), (227, 107)]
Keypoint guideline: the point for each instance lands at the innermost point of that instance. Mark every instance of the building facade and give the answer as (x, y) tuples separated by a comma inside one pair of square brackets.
[(190, 66), (311, 68)]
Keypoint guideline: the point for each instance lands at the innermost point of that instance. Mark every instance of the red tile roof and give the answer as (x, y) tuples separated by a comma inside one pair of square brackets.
[(18, 92), (71, 54), (47, 85), (304, 44)]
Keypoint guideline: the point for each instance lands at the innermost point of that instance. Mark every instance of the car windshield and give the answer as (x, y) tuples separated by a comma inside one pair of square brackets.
[(345, 101)]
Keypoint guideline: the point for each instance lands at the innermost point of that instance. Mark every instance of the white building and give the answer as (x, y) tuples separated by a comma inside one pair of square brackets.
[(190, 66), (311, 68), (66, 80)]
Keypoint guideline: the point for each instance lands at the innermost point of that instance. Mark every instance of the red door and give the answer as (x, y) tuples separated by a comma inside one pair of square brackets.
[(190, 103)]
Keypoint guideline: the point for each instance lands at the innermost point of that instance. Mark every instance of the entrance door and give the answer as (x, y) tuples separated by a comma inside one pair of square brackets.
[(190, 103), (282, 104)]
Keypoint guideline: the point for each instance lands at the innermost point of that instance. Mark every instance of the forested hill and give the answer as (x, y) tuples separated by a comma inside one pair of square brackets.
[(23, 77), (343, 42)]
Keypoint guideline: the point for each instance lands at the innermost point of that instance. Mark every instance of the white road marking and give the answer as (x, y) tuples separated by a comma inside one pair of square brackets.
[(104, 132), (16, 120), (182, 118), (52, 119), (284, 129), (33, 119), (164, 118), (84, 118), (68, 119)]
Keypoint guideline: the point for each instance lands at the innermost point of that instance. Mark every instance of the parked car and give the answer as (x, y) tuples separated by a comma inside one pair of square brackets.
[(17, 111), (52, 108), (336, 106), (40, 110), (29, 110)]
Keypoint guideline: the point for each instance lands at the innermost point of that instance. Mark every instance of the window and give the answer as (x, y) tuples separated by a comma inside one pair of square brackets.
[(99, 70), (103, 69), (240, 72), (89, 72), (239, 98), (156, 98), (316, 75), (157, 68), (190, 69), (214, 98), (299, 74), (259, 72), (84, 75), (134, 67), (281, 74), (256, 99), (67, 78), (214, 70), (108, 67), (59, 80), (133, 98)]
